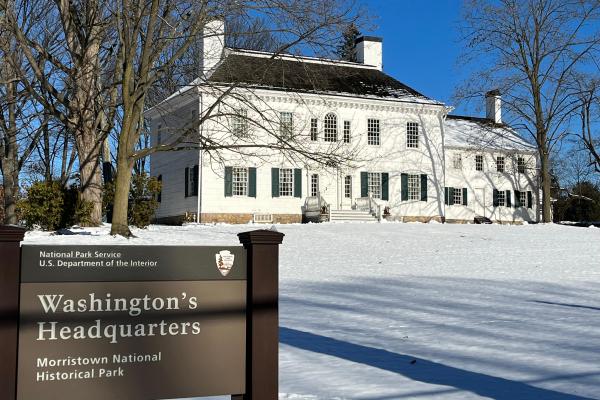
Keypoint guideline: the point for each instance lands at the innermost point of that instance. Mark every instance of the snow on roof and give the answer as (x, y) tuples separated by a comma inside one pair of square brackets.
[(460, 131)]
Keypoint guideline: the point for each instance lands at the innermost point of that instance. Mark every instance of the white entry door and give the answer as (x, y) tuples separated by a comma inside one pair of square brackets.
[(347, 183), (479, 202)]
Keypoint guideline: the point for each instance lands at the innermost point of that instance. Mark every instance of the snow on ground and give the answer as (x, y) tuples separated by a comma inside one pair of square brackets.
[(425, 311)]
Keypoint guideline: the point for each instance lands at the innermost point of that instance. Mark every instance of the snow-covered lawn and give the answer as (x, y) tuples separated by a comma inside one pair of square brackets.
[(426, 311)]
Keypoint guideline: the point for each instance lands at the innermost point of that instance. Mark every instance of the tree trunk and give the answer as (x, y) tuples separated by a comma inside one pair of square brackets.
[(89, 173), (546, 186), (11, 190), (120, 225)]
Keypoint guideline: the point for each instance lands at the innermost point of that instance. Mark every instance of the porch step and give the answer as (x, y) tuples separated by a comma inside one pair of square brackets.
[(352, 216)]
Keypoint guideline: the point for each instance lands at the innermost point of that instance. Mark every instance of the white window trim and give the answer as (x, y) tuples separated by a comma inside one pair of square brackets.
[(418, 135), (378, 133), (482, 162), (414, 195), (282, 125), (370, 185), (291, 195), (247, 183), (455, 196), (337, 128), (503, 164)]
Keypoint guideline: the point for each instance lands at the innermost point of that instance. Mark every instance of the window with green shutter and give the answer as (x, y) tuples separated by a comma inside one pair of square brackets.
[(187, 182), (252, 182), (385, 190), (404, 187), (364, 184), (297, 182), (228, 181), (423, 187), (274, 182)]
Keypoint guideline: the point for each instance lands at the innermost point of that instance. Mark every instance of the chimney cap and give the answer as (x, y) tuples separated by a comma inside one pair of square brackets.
[(494, 92), (368, 39)]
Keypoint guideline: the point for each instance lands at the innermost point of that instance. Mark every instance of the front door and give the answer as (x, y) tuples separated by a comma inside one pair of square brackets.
[(347, 189)]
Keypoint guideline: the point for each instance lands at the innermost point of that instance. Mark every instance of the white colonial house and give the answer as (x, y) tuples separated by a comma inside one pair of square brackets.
[(410, 160)]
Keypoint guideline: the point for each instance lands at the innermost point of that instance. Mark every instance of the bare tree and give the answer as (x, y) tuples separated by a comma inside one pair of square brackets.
[(589, 114), (531, 50), (67, 50), (20, 125), (154, 36)]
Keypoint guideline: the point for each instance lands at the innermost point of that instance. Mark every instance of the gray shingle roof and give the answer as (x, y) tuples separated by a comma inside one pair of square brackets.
[(298, 75)]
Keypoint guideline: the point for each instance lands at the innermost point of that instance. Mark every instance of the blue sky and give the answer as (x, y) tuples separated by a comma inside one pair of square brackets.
[(421, 45)]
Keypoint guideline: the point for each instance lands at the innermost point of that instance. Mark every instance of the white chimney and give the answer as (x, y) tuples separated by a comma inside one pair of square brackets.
[(213, 44), (493, 106), (369, 51)]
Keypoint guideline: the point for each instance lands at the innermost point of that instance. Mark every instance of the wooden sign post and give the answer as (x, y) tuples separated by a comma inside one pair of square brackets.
[(139, 322)]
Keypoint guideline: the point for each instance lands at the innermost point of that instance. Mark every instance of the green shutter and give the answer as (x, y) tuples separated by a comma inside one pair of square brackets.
[(195, 177), (496, 202), (508, 202), (385, 190), (518, 199), (465, 202), (275, 182), (187, 181), (423, 187), (404, 187), (364, 184), (297, 182), (228, 181), (251, 182), (451, 198), (529, 199), (159, 196), (446, 196)]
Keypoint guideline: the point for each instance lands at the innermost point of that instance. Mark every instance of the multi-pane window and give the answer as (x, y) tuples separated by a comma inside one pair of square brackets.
[(458, 196), (521, 165), (330, 128), (500, 163), (348, 186), (375, 184), (457, 161), (314, 185), (239, 181), (373, 132), (286, 182), (501, 198), (286, 124), (478, 162), (412, 135), (523, 199), (346, 131), (414, 187), (239, 123), (314, 132)]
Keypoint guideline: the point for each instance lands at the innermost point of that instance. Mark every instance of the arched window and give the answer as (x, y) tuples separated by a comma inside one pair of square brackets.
[(330, 128)]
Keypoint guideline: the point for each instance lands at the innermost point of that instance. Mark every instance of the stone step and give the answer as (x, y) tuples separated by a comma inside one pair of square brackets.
[(351, 216)]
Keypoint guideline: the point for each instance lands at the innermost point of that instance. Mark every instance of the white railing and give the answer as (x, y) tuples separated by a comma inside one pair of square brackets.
[(371, 204)]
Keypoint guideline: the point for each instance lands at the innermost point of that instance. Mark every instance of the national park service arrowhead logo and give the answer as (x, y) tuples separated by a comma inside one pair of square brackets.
[(224, 261)]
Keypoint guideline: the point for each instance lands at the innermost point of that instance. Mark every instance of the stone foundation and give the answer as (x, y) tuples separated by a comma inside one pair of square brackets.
[(406, 218), (229, 218)]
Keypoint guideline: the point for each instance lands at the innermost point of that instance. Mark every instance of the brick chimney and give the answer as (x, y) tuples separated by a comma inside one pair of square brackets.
[(369, 51), (493, 106)]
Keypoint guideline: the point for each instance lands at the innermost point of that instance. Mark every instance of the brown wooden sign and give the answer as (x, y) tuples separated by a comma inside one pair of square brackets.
[(139, 322)]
